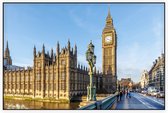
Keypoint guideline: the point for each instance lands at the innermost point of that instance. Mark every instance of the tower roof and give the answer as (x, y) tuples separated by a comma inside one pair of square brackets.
[(109, 22), (109, 15), (7, 54)]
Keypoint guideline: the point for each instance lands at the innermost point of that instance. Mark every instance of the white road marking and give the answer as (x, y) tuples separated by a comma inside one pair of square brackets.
[(154, 100), (143, 102)]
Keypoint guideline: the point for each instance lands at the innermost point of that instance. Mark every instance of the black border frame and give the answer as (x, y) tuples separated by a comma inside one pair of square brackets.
[(3, 3)]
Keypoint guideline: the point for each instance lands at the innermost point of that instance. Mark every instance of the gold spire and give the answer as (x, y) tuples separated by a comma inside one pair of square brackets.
[(109, 15), (109, 18), (109, 21)]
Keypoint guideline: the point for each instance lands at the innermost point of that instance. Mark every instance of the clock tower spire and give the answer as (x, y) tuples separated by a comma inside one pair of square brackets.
[(109, 53), (109, 20)]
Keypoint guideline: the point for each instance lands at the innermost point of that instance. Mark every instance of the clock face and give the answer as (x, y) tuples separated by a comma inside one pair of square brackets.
[(108, 39)]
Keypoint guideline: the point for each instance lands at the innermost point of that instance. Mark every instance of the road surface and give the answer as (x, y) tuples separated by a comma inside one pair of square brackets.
[(139, 102)]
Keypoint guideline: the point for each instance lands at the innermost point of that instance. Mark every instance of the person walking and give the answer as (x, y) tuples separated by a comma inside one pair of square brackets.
[(120, 95), (127, 93)]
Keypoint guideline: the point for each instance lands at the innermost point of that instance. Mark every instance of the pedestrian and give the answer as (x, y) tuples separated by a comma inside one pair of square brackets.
[(127, 93), (120, 95)]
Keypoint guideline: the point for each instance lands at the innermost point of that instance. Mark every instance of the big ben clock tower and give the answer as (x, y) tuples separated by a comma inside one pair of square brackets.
[(109, 47)]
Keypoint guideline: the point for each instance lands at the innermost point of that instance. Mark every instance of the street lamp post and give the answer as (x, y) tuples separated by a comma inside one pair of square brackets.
[(91, 58)]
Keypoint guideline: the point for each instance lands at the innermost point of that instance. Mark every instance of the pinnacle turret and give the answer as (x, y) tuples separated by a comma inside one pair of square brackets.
[(58, 48), (69, 45), (43, 50), (7, 55), (75, 49), (34, 50), (52, 53)]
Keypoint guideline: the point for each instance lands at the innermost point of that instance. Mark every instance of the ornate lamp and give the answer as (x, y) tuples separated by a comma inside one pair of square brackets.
[(94, 59), (91, 47), (91, 58)]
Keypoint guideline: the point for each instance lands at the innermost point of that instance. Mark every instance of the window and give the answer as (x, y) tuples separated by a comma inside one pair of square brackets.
[(31, 78), (26, 86), (49, 86), (51, 77), (39, 86), (38, 77), (17, 77), (110, 51), (21, 86), (46, 77), (9, 78), (63, 86), (63, 76), (76, 88), (13, 78), (38, 64), (22, 78), (46, 87), (17, 87), (26, 78), (63, 62), (54, 86), (30, 86), (54, 77)]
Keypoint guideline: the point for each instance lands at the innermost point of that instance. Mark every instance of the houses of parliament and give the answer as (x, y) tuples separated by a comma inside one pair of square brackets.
[(59, 76)]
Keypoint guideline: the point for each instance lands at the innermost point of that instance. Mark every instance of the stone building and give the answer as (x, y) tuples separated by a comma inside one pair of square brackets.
[(58, 76), (144, 79), (157, 73), (125, 83), (52, 76), (109, 52)]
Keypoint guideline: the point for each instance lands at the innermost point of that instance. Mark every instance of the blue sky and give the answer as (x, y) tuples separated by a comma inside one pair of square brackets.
[(139, 27)]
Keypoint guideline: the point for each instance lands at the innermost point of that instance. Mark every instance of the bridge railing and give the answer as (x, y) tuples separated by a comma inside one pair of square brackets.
[(101, 104)]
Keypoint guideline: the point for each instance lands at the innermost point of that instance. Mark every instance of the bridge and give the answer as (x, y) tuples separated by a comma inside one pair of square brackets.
[(135, 101)]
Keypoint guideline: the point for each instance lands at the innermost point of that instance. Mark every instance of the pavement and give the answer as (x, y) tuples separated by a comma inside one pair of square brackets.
[(139, 102)]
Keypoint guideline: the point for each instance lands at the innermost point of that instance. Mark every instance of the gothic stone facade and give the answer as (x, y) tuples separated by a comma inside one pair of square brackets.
[(59, 77), (109, 52), (52, 76)]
